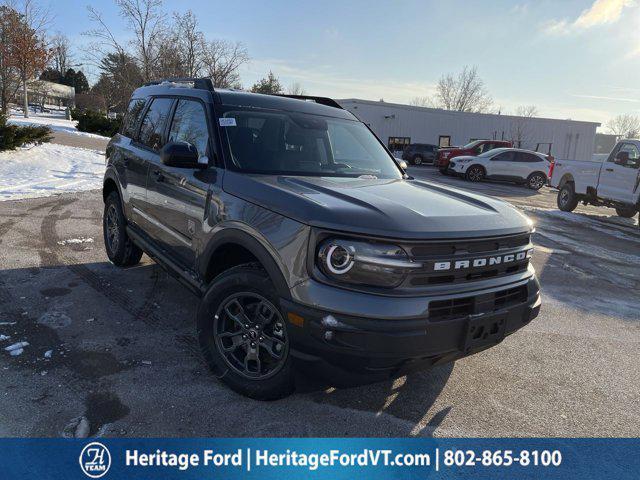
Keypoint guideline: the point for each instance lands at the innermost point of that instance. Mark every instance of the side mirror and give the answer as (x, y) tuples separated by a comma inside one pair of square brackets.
[(401, 163), (180, 155), (621, 158)]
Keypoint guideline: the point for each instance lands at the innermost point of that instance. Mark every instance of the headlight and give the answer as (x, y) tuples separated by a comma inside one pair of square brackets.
[(463, 160), (363, 263)]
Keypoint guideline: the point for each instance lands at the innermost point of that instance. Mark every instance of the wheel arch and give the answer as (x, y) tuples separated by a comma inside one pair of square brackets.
[(566, 178), (110, 184), (233, 246), (540, 172)]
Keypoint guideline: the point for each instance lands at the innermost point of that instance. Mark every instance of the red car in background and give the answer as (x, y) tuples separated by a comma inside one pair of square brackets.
[(472, 149)]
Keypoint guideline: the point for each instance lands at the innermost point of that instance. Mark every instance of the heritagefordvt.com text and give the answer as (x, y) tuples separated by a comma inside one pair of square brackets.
[(249, 458)]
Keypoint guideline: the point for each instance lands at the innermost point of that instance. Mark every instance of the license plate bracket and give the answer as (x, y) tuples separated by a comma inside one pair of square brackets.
[(484, 330)]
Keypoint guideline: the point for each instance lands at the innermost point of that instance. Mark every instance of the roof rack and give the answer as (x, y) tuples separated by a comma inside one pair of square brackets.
[(329, 102), (200, 83)]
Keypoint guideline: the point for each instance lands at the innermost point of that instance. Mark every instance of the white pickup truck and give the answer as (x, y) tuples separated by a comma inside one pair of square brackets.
[(610, 183)]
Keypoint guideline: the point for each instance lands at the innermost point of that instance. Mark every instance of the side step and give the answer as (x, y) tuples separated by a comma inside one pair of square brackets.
[(172, 268)]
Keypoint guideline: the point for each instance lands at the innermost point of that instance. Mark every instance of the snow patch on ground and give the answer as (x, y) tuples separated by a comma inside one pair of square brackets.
[(49, 169), (56, 121), (72, 241), (17, 348)]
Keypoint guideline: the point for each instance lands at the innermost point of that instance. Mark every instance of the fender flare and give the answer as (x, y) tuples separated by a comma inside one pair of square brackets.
[(111, 175), (566, 178), (262, 250)]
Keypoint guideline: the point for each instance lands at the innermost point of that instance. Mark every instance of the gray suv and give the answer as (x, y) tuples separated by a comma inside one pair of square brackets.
[(308, 246)]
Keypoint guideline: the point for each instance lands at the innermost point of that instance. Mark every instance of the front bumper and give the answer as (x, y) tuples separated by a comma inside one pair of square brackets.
[(347, 348)]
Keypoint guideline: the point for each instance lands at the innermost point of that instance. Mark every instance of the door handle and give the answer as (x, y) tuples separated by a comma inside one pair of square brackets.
[(159, 175), (609, 169)]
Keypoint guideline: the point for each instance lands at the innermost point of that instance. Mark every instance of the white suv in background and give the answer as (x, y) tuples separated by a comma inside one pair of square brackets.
[(509, 164)]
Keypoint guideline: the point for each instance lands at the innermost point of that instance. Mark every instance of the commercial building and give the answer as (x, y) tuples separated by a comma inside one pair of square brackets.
[(399, 125)]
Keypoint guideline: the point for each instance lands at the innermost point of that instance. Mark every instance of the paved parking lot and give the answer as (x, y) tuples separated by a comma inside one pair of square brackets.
[(123, 360)]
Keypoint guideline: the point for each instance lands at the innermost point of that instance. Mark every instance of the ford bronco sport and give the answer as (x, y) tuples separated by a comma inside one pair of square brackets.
[(305, 241)]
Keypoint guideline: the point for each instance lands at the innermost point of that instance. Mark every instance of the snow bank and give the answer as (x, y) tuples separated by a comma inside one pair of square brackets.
[(49, 169), (56, 121)]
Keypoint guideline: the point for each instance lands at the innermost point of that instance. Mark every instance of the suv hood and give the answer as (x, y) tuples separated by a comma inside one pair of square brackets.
[(403, 209)]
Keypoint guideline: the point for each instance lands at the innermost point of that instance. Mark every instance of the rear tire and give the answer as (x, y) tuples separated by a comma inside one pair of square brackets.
[(120, 248), (626, 212), (417, 160), (474, 173), (536, 181), (243, 348), (567, 198)]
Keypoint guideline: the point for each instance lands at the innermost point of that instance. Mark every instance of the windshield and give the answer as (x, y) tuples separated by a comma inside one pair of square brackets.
[(471, 144), (290, 143)]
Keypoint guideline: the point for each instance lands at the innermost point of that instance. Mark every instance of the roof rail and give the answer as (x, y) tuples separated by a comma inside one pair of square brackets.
[(329, 102), (200, 83)]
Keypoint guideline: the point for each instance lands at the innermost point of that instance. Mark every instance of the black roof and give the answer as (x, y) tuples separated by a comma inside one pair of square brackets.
[(203, 89)]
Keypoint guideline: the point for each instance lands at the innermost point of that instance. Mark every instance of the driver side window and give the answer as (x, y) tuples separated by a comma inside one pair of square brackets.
[(190, 125), (632, 150)]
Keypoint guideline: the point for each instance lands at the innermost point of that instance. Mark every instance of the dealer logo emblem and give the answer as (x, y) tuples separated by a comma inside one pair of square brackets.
[(95, 460)]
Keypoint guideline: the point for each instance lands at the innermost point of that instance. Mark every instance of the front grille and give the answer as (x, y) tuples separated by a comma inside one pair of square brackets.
[(441, 310), (438, 253)]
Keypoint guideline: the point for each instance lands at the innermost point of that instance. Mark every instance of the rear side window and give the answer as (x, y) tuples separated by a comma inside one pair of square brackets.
[(190, 125), (154, 122), (504, 157), (134, 112)]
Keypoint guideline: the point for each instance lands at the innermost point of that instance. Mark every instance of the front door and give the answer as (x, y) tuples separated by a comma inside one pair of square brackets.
[(178, 196), (618, 182)]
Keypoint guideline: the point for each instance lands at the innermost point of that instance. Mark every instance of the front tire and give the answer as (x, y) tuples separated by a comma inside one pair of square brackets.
[(120, 248), (243, 335), (474, 173), (417, 160), (536, 181), (626, 212), (567, 198)]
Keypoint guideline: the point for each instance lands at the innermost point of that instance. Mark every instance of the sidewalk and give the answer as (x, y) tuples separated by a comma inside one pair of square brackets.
[(71, 140)]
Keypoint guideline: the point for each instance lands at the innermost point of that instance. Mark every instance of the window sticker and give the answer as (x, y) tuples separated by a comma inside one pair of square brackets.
[(227, 122)]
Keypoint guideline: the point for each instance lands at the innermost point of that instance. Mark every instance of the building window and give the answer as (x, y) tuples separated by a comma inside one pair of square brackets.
[(444, 141), (397, 144)]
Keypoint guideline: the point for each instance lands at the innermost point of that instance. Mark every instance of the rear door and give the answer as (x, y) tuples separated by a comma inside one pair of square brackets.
[(502, 165), (178, 196), (618, 182), (130, 165), (144, 151)]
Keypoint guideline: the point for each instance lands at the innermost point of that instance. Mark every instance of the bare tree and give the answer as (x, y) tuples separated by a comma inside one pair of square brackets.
[(222, 59), (464, 93), (61, 58), (295, 89), (521, 125), (190, 43), (422, 102), (625, 125), (147, 20)]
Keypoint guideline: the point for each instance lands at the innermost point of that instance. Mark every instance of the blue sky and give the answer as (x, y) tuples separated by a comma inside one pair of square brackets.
[(575, 59)]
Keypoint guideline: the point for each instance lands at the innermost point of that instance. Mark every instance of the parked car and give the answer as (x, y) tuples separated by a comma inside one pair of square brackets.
[(419, 153), (306, 243), (613, 182), (471, 149), (509, 164)]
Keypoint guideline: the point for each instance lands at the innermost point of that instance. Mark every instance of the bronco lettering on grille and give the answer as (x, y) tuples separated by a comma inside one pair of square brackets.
[(482, 261)]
